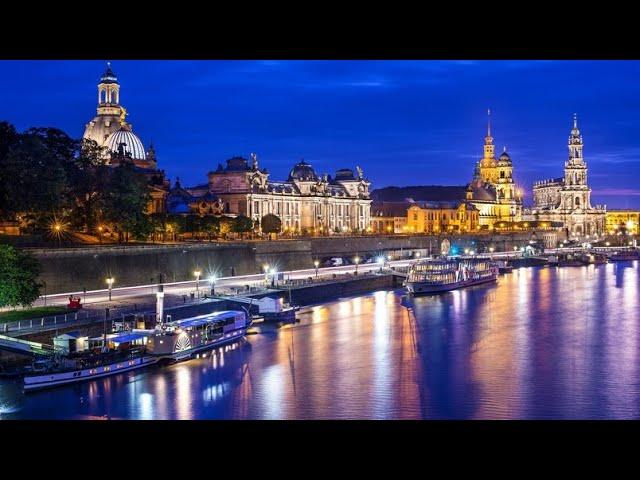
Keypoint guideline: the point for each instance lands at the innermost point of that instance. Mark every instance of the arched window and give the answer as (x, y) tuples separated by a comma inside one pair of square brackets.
[(577, 202)]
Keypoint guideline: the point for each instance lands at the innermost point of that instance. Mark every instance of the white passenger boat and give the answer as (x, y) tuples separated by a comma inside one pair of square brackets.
[(442, 275), (126, 352), (182, 339)]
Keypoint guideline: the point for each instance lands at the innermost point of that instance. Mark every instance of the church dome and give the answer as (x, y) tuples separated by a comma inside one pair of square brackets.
[(303, 172), (132, 144), (504, 158)]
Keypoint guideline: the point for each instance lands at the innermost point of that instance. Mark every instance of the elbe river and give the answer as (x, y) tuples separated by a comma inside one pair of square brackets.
[(543, 343)]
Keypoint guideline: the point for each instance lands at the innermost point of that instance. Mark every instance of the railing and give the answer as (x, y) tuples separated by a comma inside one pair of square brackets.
[(69, 319)]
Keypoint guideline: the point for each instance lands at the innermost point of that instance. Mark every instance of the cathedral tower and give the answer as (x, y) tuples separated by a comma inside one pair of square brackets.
[(576, 193), (488, 163)]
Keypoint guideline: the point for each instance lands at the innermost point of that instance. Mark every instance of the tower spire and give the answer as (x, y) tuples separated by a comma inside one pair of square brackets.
[(575, 121), (488, 122)]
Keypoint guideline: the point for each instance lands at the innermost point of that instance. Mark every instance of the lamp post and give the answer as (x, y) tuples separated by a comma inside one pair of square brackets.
[(273, 272), (197, 275), (356, 261), (100, 233), (110, 281), (316, 263), (265, 267), (212, 283)]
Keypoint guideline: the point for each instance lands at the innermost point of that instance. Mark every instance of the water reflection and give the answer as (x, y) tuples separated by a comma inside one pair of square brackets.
[(543, 343)]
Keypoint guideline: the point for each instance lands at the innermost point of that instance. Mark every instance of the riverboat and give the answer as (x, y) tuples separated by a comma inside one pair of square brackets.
[(124, 352), (624, 255), (442, 275), (183, 339)]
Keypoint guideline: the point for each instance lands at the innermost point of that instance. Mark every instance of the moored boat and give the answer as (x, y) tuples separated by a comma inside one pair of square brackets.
[(625, 255), (123, 353), (442, 275), (182, 339), (570, 260)]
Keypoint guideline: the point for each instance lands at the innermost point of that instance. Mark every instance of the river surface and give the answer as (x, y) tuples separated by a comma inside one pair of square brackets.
[(542, 343)]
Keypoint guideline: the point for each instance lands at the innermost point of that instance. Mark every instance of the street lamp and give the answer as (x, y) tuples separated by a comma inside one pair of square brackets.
[(100, 233), (491, 249), (316, 263), (212, 282), (357, 261), (197, 275), (110, 281), (265, 267)]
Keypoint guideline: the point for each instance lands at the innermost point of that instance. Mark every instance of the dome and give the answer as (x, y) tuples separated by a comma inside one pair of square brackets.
[(108, 76), (303, 172), (345, 174), (132, 144), (504, 157)]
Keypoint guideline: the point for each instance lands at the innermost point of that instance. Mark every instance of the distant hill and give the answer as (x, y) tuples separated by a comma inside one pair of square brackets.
[(425, 193)]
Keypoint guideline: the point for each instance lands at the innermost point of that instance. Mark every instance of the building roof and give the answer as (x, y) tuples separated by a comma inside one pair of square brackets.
[(130, 142), (304, 172), (108, 76), (389, 209), (420, 193)]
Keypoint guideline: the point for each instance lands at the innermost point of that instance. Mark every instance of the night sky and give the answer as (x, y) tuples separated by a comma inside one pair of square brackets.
[(403, 122)]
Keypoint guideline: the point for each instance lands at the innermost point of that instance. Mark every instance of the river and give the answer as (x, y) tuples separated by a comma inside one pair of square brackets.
[(542, 343)]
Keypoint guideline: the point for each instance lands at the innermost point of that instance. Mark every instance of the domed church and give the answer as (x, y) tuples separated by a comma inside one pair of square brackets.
[(110, 129)]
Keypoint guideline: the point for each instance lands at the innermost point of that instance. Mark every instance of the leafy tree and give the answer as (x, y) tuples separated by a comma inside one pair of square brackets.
[(242, 224), (126, 201), (38, 179), (88, 181), (210, 225), (271, 223), (8, 138), (18, 277)]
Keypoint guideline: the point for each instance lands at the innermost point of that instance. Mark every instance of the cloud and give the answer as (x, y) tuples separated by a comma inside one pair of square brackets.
[(618, 192)]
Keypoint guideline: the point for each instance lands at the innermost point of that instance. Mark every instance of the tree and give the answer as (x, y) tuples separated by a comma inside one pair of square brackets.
[(210, 225), (271, 223), (18, 277), (87, 176), (126, 201), (242, 224), (38, 181), (8, 138)]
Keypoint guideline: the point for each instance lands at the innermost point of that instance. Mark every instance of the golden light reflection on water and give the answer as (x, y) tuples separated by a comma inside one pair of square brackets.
[(542, 343)]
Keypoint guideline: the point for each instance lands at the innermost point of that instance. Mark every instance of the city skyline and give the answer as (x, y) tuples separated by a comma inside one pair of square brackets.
[(376, 114)]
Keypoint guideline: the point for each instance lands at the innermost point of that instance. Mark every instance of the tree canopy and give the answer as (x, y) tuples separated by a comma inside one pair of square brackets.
[(271, 223), (18, 278), (242, 224)]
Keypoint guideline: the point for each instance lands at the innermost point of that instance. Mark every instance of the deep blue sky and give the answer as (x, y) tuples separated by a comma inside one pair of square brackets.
[(404, 122)]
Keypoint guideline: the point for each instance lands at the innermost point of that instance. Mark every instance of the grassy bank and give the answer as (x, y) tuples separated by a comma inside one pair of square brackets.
[(37, 312)]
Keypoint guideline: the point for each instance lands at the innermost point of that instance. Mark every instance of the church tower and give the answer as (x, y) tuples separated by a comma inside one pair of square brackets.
[(488, 171), (576, 193), (109, 112)]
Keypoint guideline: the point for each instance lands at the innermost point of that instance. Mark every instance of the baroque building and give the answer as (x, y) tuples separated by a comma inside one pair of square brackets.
[(109, 129), (442, 217), (568, 199), (493, 190), (305, 202)]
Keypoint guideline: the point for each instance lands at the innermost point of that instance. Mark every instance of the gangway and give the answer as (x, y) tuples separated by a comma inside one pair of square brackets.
[(25, 347)]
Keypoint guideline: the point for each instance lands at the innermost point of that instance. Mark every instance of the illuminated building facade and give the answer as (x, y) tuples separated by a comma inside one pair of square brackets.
[(305, 203), (493, 190), (389, 217), (568, 199), (625, 221), (440, 217), (109, 129)]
